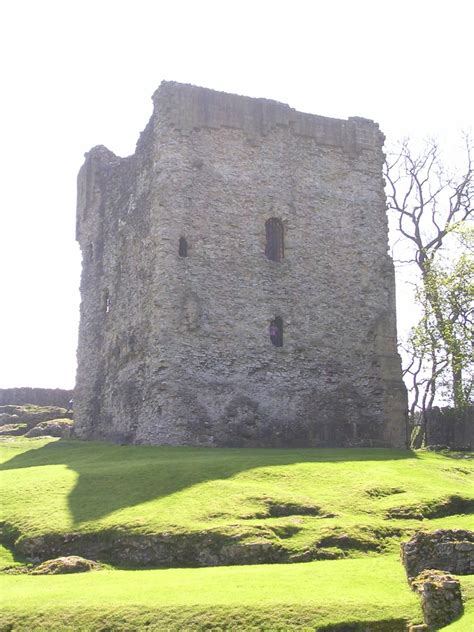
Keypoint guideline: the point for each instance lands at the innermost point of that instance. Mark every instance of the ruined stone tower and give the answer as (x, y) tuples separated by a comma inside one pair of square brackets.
[(236, 286)]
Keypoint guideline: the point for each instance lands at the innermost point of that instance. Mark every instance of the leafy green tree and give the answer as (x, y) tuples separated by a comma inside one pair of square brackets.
[(444, 333), (434, 213)]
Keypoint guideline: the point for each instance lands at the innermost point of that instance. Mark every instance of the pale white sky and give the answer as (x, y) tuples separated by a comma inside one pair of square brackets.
[(78, 73)]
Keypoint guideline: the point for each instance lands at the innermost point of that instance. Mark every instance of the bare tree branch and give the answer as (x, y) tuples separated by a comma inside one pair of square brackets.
[(429, 207)]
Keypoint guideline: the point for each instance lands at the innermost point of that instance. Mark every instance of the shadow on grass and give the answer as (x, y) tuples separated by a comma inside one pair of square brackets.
[(112, 477), (11, 559)]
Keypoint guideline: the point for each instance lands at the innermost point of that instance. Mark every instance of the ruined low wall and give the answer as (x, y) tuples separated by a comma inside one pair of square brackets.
[(450, 427), (37, 396), (449, 550), (441, 598)]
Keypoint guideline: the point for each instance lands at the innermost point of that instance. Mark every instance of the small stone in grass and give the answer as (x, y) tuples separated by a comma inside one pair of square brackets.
[(68, 564)]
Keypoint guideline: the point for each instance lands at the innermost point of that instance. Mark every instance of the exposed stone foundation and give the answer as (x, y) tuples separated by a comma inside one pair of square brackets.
[(447, 550), (441, 599), (29, 417)]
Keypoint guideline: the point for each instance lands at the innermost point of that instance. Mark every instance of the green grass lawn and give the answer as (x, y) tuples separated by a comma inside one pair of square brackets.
[(61, 487), (356, 504), (270, 597)]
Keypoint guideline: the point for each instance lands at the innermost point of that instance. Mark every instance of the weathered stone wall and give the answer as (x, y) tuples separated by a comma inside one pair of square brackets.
[(450, 427), (36, 396), (176, 349), (441, 599), (449, 550)]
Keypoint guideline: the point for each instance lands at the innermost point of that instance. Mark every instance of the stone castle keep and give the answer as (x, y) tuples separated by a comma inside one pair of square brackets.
[(236, 286)]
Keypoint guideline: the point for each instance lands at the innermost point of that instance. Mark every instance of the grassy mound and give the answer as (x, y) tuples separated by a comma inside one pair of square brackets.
[(29, 414), (52, 428), (161, 506), (139, 506), (13, 429)]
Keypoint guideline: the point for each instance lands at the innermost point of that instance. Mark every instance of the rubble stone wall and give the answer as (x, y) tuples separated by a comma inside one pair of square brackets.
[(449, 550), (450, 427), (441, 598), (176, 350), (36, 396)]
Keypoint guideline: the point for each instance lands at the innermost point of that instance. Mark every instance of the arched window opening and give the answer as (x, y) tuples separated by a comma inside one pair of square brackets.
[(106, 302), (183, 247), (274, 247), (276, 332)]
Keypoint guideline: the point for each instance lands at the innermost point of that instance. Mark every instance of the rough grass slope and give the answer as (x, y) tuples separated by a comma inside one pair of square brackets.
[(200, 507), (128, 504)]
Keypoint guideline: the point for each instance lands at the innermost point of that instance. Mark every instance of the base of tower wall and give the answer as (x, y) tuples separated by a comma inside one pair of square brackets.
[(229, 416)]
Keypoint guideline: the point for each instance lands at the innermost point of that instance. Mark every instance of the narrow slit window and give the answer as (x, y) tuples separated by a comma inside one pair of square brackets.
[(183, 247), (274, 232), (106, 302), (275, 331)]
